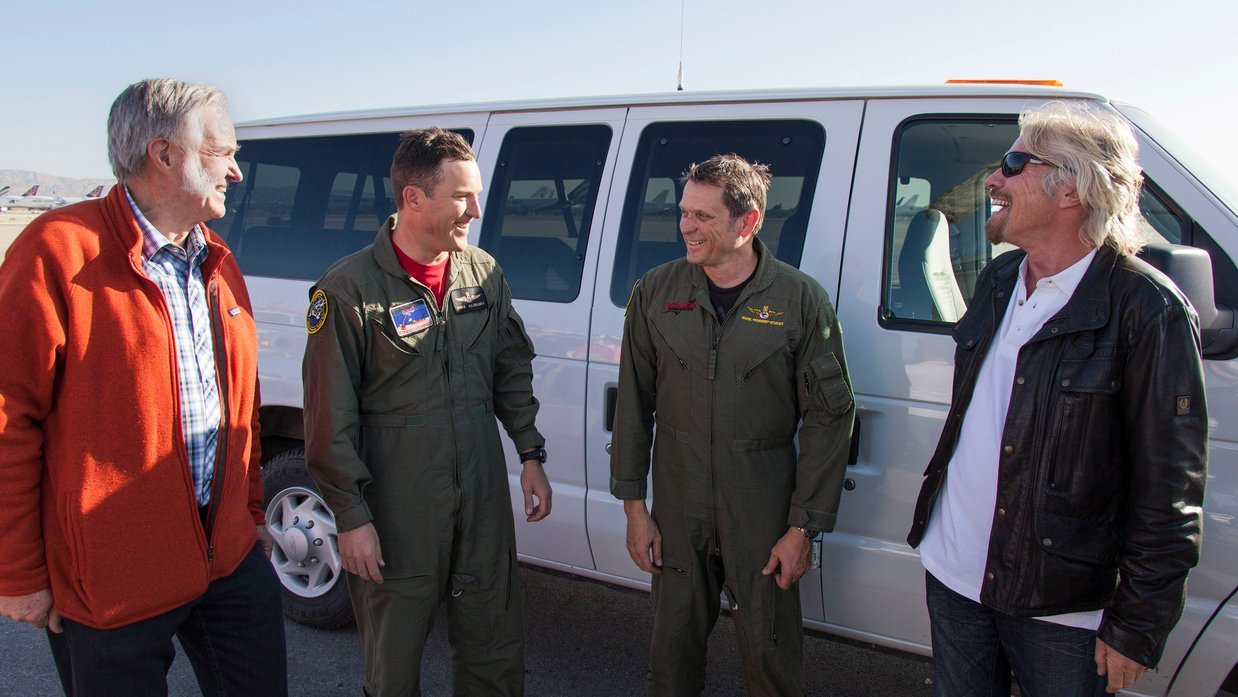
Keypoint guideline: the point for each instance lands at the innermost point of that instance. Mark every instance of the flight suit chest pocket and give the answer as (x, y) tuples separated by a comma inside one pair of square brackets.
[(676, 333), (394, 371), (824, 383), (388, 340)]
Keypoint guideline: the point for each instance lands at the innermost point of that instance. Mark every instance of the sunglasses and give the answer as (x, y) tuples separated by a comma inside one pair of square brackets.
[(1014, 161)]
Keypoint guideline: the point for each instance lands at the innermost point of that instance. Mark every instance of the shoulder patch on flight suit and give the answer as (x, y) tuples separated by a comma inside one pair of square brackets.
[(411, 317), (316, 315), (468, 300), (764, 316)]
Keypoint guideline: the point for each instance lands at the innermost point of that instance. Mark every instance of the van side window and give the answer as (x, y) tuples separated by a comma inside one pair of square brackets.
[(1164, 223), (540, 209), (935, 242), (649, 227), (306, 202)]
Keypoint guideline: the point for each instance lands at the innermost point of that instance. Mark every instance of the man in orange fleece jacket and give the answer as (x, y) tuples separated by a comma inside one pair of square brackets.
[(130, 498)]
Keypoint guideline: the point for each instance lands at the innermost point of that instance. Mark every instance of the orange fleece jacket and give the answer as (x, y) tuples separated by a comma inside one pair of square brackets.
[(96, 498)]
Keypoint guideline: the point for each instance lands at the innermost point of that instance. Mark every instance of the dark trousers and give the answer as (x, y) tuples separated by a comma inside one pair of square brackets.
[(975, 649), (233, 635)]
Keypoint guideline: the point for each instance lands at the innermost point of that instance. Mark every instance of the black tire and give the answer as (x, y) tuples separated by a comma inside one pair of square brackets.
[(305, 554)]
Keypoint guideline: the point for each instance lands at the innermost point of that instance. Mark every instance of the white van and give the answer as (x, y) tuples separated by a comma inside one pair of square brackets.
[(878, 193)]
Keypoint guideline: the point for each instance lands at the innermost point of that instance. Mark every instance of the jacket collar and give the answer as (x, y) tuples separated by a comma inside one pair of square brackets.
[(384, 254), (762, 278), (126, 232), (1088, 307)]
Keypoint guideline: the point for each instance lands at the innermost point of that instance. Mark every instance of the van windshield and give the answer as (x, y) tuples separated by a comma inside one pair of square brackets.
[(1216, 181)]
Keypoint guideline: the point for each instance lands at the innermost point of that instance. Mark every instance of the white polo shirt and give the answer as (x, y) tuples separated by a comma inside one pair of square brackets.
[(956, 544)]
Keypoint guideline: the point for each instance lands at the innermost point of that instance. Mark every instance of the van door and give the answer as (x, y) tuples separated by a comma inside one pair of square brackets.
[(915, 243), (810, 147), (542, 211)]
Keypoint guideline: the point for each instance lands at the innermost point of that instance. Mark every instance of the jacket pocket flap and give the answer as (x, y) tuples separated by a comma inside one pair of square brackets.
[(1072, 538), (1094, 375)]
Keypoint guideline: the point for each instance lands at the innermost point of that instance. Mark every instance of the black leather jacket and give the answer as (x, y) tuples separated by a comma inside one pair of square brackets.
[(1104, 452)]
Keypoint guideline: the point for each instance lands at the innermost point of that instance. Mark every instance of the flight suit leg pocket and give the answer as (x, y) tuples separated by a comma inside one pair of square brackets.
[(475, 608), (472, 615)]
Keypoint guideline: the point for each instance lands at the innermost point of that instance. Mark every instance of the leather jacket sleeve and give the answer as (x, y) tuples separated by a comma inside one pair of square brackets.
[(1166, 423)]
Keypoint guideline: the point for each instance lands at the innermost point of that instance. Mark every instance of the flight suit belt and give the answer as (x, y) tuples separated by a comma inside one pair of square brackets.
[(395, 420)]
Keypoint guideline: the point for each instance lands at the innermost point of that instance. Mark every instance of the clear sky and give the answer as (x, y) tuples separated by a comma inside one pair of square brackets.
[(64, 62)]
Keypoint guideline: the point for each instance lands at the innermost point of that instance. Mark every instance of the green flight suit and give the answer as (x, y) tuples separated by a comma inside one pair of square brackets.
[(400, 405), (727, 398)]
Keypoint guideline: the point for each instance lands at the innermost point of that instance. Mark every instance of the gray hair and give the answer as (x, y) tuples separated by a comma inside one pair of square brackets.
[(1095, 151), (156, 108)]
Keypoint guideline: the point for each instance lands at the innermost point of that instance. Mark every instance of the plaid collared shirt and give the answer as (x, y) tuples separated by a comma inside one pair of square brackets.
[(178, 273)]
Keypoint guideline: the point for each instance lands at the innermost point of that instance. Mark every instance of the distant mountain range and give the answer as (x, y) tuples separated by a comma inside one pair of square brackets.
[(49, 185)]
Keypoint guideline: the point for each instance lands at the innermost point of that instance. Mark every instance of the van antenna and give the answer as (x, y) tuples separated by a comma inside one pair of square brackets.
[(681, 4)]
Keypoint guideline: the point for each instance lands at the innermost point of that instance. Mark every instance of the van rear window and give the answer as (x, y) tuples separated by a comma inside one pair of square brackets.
[(649, 228), (306, 202), (540, 209)]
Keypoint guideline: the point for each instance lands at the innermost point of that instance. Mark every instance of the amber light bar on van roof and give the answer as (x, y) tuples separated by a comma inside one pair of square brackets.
[(1044, 83)]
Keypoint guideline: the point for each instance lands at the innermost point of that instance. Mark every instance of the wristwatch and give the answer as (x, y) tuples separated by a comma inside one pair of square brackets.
[(810, 535), (538, 454)]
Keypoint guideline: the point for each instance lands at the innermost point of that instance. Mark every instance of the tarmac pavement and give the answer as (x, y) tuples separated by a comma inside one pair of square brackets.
[(583, 639)]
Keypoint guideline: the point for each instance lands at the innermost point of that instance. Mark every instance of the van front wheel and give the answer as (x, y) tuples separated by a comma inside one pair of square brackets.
[(305, 555)]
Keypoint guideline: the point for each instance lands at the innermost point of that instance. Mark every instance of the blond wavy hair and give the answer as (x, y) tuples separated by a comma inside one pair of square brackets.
[(1094, 150)]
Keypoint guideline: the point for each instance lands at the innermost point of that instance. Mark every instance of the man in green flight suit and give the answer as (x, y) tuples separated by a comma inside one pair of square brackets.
[(414, 348), (730, 352)]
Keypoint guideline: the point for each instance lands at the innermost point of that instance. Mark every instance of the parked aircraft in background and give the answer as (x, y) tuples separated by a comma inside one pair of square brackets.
[(32, 201), (93, 193), (29, 200)]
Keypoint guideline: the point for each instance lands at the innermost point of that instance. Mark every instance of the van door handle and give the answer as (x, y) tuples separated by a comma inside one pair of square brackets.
[(854, 455), (612, 398)]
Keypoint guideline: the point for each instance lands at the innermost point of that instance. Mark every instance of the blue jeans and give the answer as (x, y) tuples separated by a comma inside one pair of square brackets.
[(975, 648), (233, 636)]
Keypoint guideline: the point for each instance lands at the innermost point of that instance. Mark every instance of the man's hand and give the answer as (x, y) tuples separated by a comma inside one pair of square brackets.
[(264, 536), (644, 539), (360, 553), (35, 609), (1122, 671), (789, 559), (537, 492)]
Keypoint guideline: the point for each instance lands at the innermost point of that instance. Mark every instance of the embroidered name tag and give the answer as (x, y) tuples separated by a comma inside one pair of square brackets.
[(679, 307), (468, 300), (411, 317)]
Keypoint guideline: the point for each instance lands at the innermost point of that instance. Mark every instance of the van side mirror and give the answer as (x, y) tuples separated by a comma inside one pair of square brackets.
[(1191, 269)]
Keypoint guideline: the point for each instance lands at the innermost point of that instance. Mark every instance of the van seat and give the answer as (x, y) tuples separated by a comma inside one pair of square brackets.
[(927, 286)]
